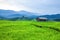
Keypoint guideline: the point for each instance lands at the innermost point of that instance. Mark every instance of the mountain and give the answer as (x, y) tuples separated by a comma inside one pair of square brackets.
[(6, 13), (51, 17), (9, 14)]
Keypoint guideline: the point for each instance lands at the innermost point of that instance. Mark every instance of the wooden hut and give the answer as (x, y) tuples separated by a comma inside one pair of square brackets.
[(41, 19)]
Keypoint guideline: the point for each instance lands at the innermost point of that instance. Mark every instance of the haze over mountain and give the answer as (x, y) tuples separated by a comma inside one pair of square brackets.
[(10, 14), (51, 17), (14, 14)]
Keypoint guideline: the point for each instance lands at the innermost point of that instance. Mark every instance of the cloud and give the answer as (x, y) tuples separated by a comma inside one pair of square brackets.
[(8, 7), (38, 6), (12, 5)]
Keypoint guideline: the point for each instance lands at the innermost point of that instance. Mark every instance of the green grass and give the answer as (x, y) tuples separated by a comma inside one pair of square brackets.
[(24, 30)]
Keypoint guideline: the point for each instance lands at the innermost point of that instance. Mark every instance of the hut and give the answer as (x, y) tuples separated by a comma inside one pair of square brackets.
[(41, 19)]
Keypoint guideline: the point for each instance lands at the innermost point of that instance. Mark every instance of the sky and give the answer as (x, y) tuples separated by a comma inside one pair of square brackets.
[(36, 6)]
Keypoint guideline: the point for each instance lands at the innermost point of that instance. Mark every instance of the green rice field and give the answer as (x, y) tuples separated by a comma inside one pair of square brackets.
[(29, 30)]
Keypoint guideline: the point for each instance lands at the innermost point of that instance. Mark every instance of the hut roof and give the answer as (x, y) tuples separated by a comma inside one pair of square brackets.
[(42, 17)]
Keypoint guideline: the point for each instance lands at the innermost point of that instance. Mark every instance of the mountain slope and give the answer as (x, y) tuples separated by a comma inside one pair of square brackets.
[(9, 14), (55, 16), (6, 13)]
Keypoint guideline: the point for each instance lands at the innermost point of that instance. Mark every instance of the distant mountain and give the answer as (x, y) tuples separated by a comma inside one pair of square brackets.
[(11, 15), (51, 17), (6, 12)]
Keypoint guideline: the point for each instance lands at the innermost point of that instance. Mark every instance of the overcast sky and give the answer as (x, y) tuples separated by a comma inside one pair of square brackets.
[(37, 6)]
